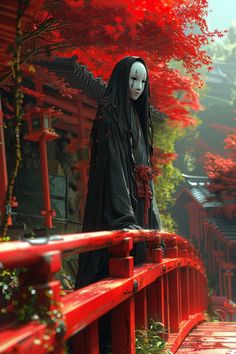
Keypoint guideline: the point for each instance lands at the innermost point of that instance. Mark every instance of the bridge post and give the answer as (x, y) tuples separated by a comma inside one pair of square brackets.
[(204, 292), (174, 287), (86, 341), (198, 292), (192, 288), (141, 309), (166, 302), (121, 265), (155, 291), (156, 299), (192, 284), (200, 286), (184, 283), (154, 251), (184, 279)]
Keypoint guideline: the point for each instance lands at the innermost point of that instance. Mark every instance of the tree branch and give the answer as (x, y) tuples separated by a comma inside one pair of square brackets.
[(37, 51)]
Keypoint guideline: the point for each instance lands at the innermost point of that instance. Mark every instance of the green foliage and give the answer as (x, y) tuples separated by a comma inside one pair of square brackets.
[(166, 134), (165, 138), (168, 223), (8, 281), (166, 186), (5, 239), (188, 149), (150, 340), (189, 161), (212, 315)]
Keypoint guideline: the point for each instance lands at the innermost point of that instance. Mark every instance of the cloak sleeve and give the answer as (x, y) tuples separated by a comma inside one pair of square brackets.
[(108, 203)]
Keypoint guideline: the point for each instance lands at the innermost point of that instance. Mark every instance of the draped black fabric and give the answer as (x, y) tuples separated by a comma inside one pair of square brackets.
[(119, 141)]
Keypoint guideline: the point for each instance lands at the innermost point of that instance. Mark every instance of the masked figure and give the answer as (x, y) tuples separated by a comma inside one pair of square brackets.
[(120, 189)]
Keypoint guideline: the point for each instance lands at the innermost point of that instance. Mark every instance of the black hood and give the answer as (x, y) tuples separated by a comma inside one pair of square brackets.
[(117, 94)]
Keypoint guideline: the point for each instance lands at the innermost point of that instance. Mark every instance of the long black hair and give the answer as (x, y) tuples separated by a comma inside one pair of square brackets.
[(117, 94)]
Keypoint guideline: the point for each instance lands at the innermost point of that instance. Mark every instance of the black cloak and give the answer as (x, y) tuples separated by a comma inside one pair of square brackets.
[(121, 137)]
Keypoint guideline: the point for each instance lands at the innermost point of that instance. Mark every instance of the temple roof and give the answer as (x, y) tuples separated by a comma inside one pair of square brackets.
[(225, 226), (202, 195), (196, 189), (79, 77)]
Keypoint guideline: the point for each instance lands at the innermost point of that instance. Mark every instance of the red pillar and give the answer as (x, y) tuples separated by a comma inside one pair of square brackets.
[(192, 291), (166, 302), (155, 291), (141, 315), (48, 213), (220, 279), (206, 235), (121, 265), (184, 279), (123, 328), (86, 341), (156, 301), (184, 283), (174, 287), (198, 291), (229, 274), (174, 300), (3, 167), (209, 248)]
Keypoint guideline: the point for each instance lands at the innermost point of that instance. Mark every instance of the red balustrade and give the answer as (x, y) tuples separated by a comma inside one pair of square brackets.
[(171, 288)]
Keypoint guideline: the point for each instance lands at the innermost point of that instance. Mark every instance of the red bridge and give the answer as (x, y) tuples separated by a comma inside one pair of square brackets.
[(170, 288)]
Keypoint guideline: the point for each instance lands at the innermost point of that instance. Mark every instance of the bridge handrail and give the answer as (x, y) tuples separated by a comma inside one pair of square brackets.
[(171, 287), (23, 253)]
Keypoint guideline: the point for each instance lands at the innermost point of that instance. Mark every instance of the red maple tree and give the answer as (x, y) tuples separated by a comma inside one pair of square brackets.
[(101, 33), (160, 31), (163, 32), (221, 171)]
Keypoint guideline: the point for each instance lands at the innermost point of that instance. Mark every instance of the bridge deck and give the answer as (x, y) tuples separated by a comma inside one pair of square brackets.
[(211, 338)]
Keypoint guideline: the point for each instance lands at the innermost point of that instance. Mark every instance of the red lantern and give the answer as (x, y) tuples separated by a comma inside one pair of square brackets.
[(39, 120), (39, 124)]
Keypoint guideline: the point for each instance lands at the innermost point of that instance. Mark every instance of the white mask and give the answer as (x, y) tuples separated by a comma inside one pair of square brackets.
[(137, 80)]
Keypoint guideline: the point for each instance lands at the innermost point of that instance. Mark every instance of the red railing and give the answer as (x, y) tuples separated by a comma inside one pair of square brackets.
[(170, 288), (224, 308)]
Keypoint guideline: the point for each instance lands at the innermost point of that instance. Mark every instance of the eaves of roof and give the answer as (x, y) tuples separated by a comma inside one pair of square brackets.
[(202, 195), (197, 189), (225, 226), (79, 77)]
